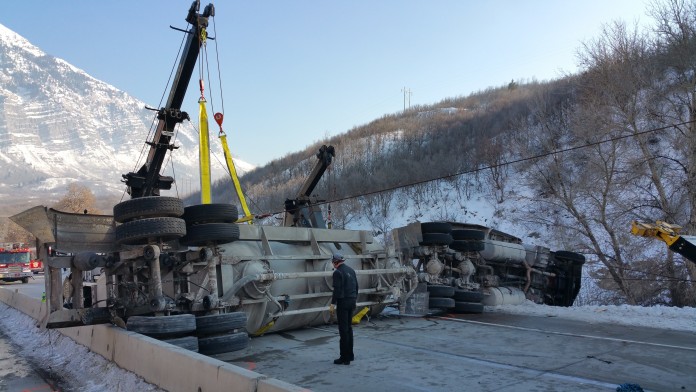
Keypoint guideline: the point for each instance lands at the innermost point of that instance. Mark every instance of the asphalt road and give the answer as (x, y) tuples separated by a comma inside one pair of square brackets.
[(34, 288), (484, 352)]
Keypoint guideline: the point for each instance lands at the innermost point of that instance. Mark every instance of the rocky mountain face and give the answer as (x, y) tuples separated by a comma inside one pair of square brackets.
[(59, 125)]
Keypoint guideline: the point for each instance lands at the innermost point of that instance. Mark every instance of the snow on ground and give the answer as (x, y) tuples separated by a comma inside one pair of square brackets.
[(58, 354), (663, 317), (77, 367)]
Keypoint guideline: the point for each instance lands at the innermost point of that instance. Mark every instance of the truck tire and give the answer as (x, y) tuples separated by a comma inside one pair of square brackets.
[(223, 344), (25, 280), (467, 234), (210, 213), (467, 246), (436, 239), (187, 342), (219, 323), (138, 232), (217, 233), (441, 303), (148, 207), (467, 296), (468, 307), (162, 326), (436, 227), (440, 290)]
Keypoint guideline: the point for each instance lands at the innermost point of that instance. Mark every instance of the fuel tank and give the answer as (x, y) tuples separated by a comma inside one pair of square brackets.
[(503, 251), (494, 296), (281, 277)]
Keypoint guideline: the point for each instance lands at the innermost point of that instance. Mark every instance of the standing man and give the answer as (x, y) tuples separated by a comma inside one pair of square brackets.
[(345, 293)]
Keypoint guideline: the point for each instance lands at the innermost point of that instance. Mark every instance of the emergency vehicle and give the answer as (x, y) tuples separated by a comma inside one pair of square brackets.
[(15, 263)]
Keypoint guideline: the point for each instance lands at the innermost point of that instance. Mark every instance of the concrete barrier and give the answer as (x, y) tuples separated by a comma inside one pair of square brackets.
[(167, 366)]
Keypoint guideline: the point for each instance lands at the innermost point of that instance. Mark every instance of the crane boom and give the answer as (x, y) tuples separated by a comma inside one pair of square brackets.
[(148, 181), (300, 211), (685, 245)]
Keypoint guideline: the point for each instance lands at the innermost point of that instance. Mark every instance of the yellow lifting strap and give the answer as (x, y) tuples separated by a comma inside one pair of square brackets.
[(356, 319), (265, 328), (219, 117), (204, 153)]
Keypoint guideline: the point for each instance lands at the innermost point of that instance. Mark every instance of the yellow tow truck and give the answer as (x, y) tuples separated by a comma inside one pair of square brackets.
[(685, 245)]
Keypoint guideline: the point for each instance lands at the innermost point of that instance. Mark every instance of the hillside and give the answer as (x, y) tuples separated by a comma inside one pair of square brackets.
[(433, 160)]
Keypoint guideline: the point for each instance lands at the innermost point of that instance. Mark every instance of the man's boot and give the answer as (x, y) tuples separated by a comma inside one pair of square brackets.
[(341, 361)]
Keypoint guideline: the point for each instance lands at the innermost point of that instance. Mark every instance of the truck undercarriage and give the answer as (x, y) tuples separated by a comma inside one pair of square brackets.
[(466, 266)]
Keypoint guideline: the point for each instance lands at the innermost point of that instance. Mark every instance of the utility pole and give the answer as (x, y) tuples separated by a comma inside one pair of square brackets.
[(407, 92)]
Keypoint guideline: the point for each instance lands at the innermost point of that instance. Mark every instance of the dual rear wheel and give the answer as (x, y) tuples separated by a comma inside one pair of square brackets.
[(208, 335), (449, 298), (159, 218)]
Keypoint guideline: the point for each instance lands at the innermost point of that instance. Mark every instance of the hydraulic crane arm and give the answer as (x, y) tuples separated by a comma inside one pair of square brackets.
[(148, 181), (324, 157), (300, 211), (685, 245)]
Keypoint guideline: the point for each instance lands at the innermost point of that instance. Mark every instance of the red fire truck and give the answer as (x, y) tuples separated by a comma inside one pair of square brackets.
[(15, 263)]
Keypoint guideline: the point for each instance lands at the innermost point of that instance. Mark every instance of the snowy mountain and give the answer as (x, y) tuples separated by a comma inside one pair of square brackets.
[(59, 125)]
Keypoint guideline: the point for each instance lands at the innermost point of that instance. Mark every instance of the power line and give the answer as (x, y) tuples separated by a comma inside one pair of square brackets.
[(512, 162)]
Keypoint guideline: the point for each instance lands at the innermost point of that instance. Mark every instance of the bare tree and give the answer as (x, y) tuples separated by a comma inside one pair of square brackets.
[(626, 172), (676, 52), (343, 213), (11, 232), (377, 209), (493, 154), (78, 199)]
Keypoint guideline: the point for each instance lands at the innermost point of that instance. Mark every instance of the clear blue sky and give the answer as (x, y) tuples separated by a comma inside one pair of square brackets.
[(294, 72)]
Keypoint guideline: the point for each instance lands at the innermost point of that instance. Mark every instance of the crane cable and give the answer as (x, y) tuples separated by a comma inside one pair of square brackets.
[(219, 118)]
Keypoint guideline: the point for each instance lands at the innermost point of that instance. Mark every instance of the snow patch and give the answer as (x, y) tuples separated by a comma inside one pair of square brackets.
[(50, 350), (662, 317)]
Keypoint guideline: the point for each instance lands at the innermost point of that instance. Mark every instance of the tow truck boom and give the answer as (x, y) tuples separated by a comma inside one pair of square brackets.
[(148, 181), (300, 211), (685, 245)]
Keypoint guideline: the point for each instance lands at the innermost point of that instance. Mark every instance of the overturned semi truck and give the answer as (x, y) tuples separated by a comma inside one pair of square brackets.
[(465, 266), (192, 274)]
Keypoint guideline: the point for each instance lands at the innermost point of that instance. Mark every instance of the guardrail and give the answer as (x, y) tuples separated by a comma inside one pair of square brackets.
[(169, 367)]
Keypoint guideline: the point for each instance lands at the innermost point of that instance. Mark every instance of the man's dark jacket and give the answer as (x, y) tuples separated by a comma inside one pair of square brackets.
[(345, 284)]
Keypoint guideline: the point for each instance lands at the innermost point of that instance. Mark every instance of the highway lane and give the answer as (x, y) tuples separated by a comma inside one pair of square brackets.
[(486, 352), (34, 288)]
